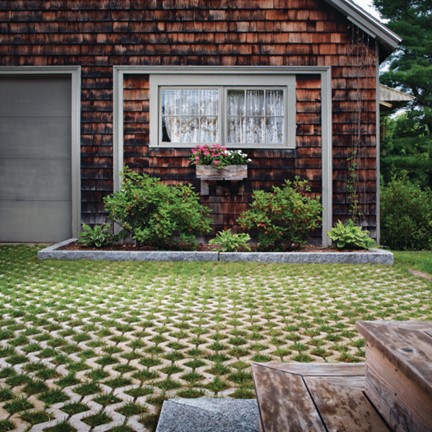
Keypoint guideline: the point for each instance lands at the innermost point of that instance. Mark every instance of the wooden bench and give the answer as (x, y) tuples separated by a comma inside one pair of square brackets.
[(353, 397)]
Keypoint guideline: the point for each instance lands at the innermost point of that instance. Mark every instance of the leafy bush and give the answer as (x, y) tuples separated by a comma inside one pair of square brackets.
[(406, 215), (156, 214), (98, 236), (284, 217), (229, 242), (350, 236)]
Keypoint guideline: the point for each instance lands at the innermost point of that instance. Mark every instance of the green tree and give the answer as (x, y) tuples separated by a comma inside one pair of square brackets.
[(406, 145), (410, 69), (406, 209)]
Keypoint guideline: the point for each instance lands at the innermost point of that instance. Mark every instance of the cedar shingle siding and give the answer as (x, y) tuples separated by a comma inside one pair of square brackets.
[(100, 34)]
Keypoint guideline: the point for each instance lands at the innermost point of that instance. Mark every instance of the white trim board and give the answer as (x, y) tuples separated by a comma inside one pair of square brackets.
[(369, 24), (75, 74), (326, 115)]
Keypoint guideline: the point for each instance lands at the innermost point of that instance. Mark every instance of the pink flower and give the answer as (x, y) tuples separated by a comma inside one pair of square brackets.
[(217, 155)]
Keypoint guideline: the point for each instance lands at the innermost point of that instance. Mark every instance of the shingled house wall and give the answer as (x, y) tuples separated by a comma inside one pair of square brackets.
[(98, 34)]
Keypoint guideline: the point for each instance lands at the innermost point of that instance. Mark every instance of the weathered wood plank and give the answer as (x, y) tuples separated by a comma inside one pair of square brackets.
[(284, 402), (343, 405), (291, 396), (406, 345), (231, 172), (399, 372), (320, 369), (405, 406), (377, 326)]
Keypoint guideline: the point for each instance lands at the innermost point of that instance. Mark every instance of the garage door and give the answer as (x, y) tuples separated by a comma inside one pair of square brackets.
[(35, 159)]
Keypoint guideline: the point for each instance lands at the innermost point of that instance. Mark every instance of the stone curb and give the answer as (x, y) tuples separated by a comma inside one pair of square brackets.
[(53, 252), (373, 256)]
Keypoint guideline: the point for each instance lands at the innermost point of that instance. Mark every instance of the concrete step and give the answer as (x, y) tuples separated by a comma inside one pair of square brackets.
[(209, 415)]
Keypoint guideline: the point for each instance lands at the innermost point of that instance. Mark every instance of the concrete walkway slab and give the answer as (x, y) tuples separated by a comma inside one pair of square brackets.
[(209, 415)]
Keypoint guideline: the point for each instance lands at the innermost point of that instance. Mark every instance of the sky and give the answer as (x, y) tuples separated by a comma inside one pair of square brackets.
[(367, 6)]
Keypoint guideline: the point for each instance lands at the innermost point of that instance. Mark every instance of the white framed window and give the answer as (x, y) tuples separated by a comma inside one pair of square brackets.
[(251, 111)]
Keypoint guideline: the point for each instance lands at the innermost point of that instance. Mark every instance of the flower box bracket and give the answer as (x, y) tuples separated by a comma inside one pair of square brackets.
[(207, 173)]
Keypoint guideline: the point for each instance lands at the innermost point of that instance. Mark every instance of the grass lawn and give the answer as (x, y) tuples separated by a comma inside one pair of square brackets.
[(85, 343), (419, 260)]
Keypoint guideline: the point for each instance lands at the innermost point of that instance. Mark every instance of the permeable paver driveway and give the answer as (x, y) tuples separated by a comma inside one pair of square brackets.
[(100, 345)]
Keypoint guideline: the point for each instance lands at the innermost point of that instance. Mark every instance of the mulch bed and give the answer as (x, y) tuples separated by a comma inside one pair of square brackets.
[(203, 247)]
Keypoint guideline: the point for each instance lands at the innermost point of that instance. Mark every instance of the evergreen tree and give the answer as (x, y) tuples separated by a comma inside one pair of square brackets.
[(406, 146), (410, 69)]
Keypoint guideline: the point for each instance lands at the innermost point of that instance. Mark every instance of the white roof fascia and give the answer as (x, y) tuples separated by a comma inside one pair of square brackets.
[(367, 23)]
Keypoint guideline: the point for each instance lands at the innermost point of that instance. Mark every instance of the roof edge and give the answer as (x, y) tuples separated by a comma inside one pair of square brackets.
[(372, 26)]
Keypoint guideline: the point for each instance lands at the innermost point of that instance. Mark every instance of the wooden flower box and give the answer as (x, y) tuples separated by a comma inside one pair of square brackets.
[(230, 172), (207, 173)]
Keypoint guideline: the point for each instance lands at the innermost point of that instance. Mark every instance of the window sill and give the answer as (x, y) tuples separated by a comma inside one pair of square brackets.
[(248, 147)]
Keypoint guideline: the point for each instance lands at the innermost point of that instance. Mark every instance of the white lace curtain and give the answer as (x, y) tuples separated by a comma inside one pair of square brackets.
[(255, 117), (191, 116)]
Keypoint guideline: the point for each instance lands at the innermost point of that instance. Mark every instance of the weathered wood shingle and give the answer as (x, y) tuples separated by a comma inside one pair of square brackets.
[(100, 34)]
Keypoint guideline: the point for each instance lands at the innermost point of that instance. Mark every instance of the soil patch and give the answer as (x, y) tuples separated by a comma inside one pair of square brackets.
[(421, 274), (202, 247)]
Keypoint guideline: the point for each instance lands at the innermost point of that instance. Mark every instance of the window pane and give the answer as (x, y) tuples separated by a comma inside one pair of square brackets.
[(275, 130), (171, 129), (274, 103), (170, 102), (255, 102), (189, 130), (255, 117), (236, 130), (189, 102), (255, 130), (209, 102), (190, 116), (236, 102), (209, 128)]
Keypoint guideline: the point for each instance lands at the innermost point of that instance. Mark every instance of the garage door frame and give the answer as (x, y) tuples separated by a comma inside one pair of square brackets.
[(75, 75)]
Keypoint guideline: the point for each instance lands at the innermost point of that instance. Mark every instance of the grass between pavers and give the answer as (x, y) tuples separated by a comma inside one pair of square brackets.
[(109, 341)]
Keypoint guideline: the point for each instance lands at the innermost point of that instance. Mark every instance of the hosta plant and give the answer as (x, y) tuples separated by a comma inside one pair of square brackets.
[(226, 241), (97, 236), (350, 236)]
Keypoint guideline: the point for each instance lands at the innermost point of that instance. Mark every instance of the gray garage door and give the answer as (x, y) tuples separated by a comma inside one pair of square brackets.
[(35, 159)]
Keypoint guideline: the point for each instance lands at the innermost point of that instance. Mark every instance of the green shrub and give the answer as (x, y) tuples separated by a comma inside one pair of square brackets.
[(350, 236), (229, 242), (284, 217), (406, 215), (98, 236), (156, 214)]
